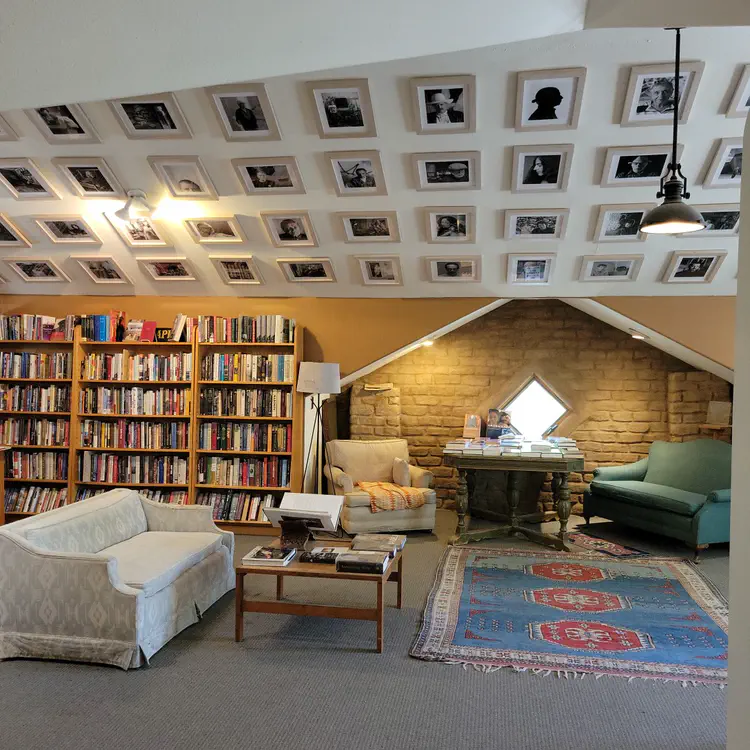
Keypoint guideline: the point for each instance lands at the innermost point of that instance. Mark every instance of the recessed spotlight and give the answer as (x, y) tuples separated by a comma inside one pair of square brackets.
[(637, 335), (427, 343)]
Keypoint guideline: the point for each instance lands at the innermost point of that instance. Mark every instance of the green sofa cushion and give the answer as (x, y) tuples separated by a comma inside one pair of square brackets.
[(649, 495), (699, 466)]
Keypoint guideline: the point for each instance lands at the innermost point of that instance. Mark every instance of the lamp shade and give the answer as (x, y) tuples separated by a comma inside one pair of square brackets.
[(674, 217), (319, 377)]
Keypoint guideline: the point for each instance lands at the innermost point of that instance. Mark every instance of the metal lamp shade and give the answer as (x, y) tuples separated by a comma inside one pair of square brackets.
[(672, 217)]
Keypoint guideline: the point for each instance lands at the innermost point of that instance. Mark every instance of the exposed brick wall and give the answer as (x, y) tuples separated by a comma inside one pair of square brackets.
[(688, 394), (619, 385)]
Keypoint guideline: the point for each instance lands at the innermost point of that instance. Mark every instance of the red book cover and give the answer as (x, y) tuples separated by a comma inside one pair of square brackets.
[(148, 332)]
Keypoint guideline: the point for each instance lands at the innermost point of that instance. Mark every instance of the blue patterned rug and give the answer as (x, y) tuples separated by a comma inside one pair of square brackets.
[(567, 613)]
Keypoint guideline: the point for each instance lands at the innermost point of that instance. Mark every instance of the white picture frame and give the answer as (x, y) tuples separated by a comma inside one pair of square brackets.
[(444, 104), (380, 270), (447, 170), (696, 267), (244, 112), (637, 166), (549, 99), (102, 269), (448, 225), (647, 96), (621, 222), (152, 117), (541, 169), (7, 133), (453, 269), (90, 178), (11, 235), (357, 173), (168, 268), (140, 232), (63, 124), (215, 230), (237, 270), (369, 226), (343, 108), (725, 169), (273, 175), (290, 229), (610, 268), (739, 104), (24, 180), (307, 270), (49, 271), (184, 177), (536, 224), (67, 229), (530, 269), (724, 216)]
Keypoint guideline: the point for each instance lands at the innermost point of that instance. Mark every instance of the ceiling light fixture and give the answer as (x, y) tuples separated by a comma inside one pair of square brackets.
[(673, 216), (427, 343), (135, 206), (637, 334)]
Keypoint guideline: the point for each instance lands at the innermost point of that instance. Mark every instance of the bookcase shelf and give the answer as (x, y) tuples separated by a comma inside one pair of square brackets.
[(35, 342), (20, 447), (170, 383), (249, 488), (134, 416), (246, 419), (242, 453), (139, 344), (36, 380), (37, 413), (249, 344), (134, 450), (244, 382), (18, 480), (83, 483)]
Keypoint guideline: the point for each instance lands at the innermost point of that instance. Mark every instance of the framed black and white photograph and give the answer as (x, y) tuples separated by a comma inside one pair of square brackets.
[(168, 269), (272, 175), (693, 268), (650, 96), (184, 176), (155, 117), (530, 269), (63, 124), (450, 224), (244, 112), (637, 165), (444, 104), (610, 267), (89, 177), (549, 99), (541, 169), (343, 108), (454, 268), (722, 220), (536, 224), (237, 270), (739, 104), (621, 223), (11, 235), (725, 169), (140, 232), (44, 270), (289, 228), (457, 170), (216, 230), (6, 131), (305, 270), (23, 180), (380, 270), (68, 230), (102, 269), (370, 226), (357, 173)]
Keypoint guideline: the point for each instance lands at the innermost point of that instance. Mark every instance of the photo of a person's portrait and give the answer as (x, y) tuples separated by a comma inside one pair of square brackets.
[(168, 269), (622, 223), (732, 167), (243, 112), (103, 270), (91, 179), (369, 227), (60, 120), (148, 116), (444, 106), (447, 171), (720, 221), (22, 180), (454, 269), (498, 424), (652, 96), (184, 178), (539, 170), (529, 269), (290, 230), (269, 176), (309, 270), (355, 174), (66, 229), (640, 166), (341, 108), (141, 230), (535, 225), (693, 268), (547, 101), (450, 225), (214, 228), (612, 268), (685, 268), (36, 270), (380, 270)]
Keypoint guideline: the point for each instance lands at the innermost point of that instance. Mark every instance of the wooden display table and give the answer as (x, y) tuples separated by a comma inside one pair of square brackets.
[(316, 570), (558, 466)]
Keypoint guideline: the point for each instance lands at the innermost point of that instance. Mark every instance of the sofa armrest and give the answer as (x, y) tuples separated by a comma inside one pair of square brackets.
[(629, 472), (340, 479), (420, 477), (719, 496)]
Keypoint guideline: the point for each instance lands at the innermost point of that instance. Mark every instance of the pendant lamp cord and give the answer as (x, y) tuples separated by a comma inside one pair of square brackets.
[(676, 118)]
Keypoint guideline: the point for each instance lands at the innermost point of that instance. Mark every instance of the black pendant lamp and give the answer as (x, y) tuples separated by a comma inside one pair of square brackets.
[(673, 216)]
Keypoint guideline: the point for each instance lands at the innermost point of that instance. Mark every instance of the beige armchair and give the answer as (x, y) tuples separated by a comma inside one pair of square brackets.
[(353, 461)]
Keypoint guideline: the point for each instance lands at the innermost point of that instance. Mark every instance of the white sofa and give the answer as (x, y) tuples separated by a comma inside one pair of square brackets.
[(110, 579), (352, 461)]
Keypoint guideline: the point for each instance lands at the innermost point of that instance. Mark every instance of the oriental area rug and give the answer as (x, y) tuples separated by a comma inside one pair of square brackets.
[(575, 614)]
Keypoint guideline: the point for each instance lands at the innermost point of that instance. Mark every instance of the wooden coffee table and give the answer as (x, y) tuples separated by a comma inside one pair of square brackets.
[(393, 572)]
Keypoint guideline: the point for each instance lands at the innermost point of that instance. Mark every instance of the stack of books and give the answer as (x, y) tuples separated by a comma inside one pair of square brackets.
[(390, 543), (362, 561), (272, 557), (323, 555)]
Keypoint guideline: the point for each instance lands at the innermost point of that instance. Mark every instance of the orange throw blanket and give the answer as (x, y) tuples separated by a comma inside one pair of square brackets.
[(388, 496)]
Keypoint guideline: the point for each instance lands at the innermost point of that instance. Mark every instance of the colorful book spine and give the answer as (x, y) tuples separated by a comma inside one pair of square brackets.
[(269, 471), (246, 402), (132, 469), (134, 400), (49, 398)]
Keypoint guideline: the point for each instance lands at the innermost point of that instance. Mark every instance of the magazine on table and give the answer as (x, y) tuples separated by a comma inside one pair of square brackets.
[(323, 555), (270, 556)]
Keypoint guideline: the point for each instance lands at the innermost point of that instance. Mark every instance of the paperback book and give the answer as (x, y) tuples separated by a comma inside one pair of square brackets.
[(276, 557)]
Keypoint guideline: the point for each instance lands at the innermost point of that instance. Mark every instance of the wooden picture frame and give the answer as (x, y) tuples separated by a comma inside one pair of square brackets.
[(215, 230), (273, 175), (295, 268), (237, 270), (281, 232), (630, 166), (259, 125), (343, 108), (154, 266), (617, 221), (453, 269), (90, 178), (23, 265), (63, 118), (724, 216), (541, 99), (739, 104), (357, 173), (537, 268), (610, 268), (380, 270), (25, 181), (428, 94), (87, 261), (536, 224), (7, 133), (725, 169), (66, 229), (152, 117), (447, 170), (448, 225), (141, 232), (369, 226), (542, 168), (184, 177), (11, 235), (680, 270)]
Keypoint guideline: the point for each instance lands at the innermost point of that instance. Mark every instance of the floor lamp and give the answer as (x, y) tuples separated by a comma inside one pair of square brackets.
[(315, 378)]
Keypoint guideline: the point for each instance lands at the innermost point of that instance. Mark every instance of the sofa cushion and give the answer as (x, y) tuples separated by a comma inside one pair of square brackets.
[(695, 466), (401, 474), (91, 525), (154, 559), (649, 495), (360, 499)]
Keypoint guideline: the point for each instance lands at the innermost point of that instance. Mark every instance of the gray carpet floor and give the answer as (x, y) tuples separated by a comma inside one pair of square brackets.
[(317, 683)]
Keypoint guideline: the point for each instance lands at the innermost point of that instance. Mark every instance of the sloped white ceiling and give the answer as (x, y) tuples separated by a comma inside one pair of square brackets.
[(607, 55)]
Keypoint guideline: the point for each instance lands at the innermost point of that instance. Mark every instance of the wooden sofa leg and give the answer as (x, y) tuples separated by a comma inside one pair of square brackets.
[(698, 549), (587, 520)]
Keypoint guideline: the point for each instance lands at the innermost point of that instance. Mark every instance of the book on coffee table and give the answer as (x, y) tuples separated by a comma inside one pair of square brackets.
[(269, 556), (390, 543), (323, 555), (354, 561)]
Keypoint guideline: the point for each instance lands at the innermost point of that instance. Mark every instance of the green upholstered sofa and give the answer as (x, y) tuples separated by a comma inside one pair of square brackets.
[(681, 490)]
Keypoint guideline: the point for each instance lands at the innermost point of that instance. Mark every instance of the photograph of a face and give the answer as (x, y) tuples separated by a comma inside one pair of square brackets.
[(450, 224), (530, 269), (63, 124), (536, 224), (343, 107), (269, 176), (454, 269), (636, 165), (541, 168), (444, 104), (244, 112), (725, 169), (621, 223), (610, 268), (383, 270), (357, 173), (237, 269), (216, 230), (370, 226), (722, 219), (184, 177), (154, 117), (447, 171), (739, 105), (68, 230), (102, 269), (24, 181), (37, 269), (90, 178), (693, 268), (549, 99), (168, 269), (289, 229), (307, 269), (139, 232), (10, 234)]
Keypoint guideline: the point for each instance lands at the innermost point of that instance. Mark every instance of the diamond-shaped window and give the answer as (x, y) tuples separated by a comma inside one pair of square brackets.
[(535, 409)]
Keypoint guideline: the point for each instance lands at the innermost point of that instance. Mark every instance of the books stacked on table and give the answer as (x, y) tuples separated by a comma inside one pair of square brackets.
[(390, 543), (323, 555), (362, 561), (272, 557), (514, 446)]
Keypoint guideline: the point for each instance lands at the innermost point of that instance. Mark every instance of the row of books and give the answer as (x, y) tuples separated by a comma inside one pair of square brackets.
[(122, 467), (275, 329), (246, 402), (36, 328), (42, 398), (174, 497), (513, 446), (269, 471), (236, 506), (245, 436), (238, 367), (103, 327), (36, 465), (182, 328), (127, 365), (128, 433), (34, 365), (34, 432), (33, 499), (134, 400)]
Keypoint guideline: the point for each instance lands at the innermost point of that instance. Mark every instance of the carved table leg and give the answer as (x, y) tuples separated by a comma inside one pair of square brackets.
[(514, 498), (563, 505), (462, 504)]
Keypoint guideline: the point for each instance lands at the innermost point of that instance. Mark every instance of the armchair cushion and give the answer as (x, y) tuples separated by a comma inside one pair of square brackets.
[(367, 460), (401, 472), (342, 482), (360, 499), (649, 495), (720, 496), (420, 477)]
